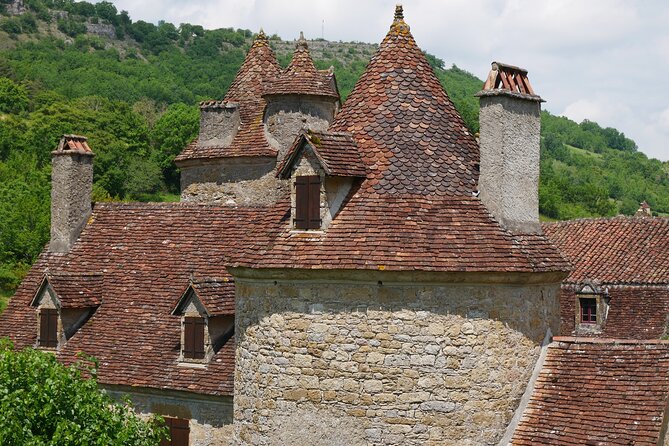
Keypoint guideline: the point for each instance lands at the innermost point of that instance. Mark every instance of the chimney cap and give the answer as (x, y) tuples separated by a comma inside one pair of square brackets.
[(509, 80), (73, 144)]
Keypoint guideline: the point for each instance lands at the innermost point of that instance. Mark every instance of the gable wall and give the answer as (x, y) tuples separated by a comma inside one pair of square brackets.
[(329, 362)]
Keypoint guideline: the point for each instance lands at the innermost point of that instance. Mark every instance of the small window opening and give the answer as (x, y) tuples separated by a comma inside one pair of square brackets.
[(588, 310), (179, 431), (194, 337), (308, 202), (48, 328)]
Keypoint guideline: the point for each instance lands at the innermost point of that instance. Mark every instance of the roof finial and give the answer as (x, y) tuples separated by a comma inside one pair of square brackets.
[(399, 12), (301, 42), (260, 39)]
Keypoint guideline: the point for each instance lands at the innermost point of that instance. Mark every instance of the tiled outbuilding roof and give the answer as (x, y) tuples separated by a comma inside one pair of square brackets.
[(147, 254), (620, 250), (246, 91), (415, 210), (337, 152), (217, 296), (302, 77), (599, 393), (75, 290)]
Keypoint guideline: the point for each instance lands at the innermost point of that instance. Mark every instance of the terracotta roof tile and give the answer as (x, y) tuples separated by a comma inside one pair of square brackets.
[(218, 296), (620, 250), (76, 290), (73, 143), (302, 77), (147, 254), (598, 393), (338, 153), (246, 91)]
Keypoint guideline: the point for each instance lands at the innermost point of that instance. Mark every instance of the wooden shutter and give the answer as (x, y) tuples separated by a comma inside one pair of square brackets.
[(308, 202), (179, 431), (194, 337), (48, 328)]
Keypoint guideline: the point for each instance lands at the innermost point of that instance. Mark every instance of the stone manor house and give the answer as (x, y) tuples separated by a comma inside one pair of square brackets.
[(361, 274)]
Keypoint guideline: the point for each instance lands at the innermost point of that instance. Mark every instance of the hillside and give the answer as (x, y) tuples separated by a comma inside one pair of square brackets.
[(132, 88)]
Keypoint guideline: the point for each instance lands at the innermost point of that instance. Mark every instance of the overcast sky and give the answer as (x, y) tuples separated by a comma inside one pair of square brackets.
[(604, 60)]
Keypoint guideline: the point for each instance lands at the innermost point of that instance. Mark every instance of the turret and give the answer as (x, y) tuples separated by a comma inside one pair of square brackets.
[(510, 124)]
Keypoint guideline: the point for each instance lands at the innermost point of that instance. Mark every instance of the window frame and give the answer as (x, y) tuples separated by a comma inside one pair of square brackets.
[(307, 202), (589, 304), (175, 425)]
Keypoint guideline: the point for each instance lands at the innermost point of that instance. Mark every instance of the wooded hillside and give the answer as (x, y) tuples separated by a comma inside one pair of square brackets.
[(133, 88)]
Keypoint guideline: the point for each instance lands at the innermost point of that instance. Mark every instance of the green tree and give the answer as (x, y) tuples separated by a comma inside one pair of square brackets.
[(45, 403)]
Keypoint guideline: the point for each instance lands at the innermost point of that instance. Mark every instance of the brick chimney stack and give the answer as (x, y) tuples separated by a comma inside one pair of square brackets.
[(71, 188), (509, 139)]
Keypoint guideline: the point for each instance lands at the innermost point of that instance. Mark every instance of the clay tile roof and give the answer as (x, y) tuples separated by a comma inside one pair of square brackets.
[(73, 143), (410, 135), (74, 290), (337, 152), (619, 250), (217, 296), (415, 209), (510, 80), (599, 393), (302, 77), (246, 93), (147, 253)]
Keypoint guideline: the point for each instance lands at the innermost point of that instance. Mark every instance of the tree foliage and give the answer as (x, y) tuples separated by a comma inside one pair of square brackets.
[(44, 403)]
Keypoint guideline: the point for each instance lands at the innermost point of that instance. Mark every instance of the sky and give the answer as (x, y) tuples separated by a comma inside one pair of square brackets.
[(602, 60)]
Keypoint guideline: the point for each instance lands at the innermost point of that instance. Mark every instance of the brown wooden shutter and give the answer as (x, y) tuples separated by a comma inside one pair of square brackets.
[(308, 202), (198, 338), (48, 328), (194, 337), (179, 431)]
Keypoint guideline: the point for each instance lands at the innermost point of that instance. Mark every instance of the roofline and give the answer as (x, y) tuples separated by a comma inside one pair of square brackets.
[(615, 341)]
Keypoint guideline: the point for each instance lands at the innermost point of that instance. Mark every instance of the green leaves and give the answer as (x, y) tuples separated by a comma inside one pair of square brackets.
[(45, 403)]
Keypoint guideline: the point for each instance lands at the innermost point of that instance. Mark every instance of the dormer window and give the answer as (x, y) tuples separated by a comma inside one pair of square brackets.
[(207, 311), (48, 328), (308, 202), (592, 307), (64, 302), (323, 168), (193, 346)]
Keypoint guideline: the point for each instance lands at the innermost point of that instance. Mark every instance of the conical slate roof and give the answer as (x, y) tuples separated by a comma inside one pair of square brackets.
[(411, 137), (302, 77), (259, 65)]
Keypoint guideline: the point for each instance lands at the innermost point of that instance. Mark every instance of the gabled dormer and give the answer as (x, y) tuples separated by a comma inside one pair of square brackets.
[(63, 303), (207, 311), (592, 308), (323, 167)]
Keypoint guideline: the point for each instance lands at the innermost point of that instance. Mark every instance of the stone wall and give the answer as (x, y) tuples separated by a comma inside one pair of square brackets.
[(218, 125), (287, 115), (210, 416), (338, 360)]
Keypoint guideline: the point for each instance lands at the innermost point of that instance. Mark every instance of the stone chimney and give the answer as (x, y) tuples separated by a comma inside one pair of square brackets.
[(509, 139), (71, 188)]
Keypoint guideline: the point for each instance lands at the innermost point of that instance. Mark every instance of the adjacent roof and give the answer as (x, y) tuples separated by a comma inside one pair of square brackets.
[(246, 90), (619, 250), (73, 290), (217, 296), (147, 254), (598, 393), (415, 209), (302, 77), (337, 153)]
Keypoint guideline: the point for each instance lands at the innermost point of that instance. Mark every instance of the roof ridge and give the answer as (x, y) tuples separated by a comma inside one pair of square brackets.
[(604, 219)]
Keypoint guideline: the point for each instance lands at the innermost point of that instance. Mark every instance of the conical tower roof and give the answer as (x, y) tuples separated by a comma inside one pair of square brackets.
[(409, 133), (302, 77)]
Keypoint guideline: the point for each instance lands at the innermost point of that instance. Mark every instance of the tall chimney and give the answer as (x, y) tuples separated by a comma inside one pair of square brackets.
[(509, 139), (71, 188)]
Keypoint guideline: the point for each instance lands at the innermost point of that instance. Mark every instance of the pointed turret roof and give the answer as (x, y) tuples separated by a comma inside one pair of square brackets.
[(302, 77), (410, 134), (245, 92)]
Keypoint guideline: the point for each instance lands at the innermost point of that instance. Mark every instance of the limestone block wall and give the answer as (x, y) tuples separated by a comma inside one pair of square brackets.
[(210, 416), (374, 362)]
